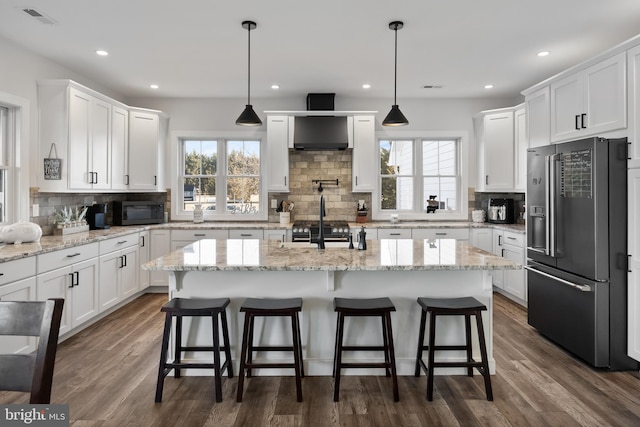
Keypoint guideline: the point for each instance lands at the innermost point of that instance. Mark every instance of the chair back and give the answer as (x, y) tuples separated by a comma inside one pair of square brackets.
[(31, 372)]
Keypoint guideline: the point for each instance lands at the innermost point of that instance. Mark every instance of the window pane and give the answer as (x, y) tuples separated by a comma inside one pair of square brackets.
[(200, 157), (439, 157), (445, 190), (430, 157), (243, 157), (447, 158), (397, 193), (243, 195), (199, 190)]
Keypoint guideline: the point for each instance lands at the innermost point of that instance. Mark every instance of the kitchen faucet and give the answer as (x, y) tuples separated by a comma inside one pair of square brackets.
[(321, 230)]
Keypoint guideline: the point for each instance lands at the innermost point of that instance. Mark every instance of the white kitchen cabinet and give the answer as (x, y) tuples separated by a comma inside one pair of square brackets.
[(160, 245), (495, 138), (18, 283), (283, 235), (511, 245), (246, 234), (77, 283), (143, 257), (538, 117), (393, 233), (633, 73), (590, 102), (520, 146), (370, 234), (633, 285), (461, 233), (498, 244), (278, 132), (482, 238), (147, 137), (119, 148), (364, 156), (182, 238), (118, 269)]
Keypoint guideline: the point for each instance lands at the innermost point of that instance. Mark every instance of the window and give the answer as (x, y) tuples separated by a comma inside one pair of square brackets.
[(223, 176), (4, 166), (14, 134), (421, 176)]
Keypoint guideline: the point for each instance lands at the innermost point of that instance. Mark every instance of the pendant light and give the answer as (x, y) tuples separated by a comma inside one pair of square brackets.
[(395, 116), (248, 116)]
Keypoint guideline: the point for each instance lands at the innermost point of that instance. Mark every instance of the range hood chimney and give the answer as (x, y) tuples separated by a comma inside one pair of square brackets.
[(320, 132)]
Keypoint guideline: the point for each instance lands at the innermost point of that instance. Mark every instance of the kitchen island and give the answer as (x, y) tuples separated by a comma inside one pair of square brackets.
[(401, 269)]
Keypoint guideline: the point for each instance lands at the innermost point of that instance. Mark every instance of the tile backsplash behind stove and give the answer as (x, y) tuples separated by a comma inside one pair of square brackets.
[(306, 166)]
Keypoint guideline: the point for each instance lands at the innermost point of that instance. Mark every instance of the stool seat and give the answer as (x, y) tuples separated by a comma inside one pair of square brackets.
[(467, 307), (195, 307), (270, 307), (374, 307)]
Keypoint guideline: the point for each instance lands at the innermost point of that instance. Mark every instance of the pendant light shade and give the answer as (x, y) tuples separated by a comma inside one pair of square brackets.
[(395, 116), (248, 116)]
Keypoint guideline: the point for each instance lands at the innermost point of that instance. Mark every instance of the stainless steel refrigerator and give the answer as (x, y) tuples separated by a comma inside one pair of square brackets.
[(577, 248)]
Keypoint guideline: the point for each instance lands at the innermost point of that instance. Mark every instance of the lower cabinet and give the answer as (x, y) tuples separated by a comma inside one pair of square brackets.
[(160, 245), (118, 270), (78, 285), (482, 238), (283, 235), (23, 289), (511, 245), (182, 238), (461, 233), (143, 257), (392, 233)]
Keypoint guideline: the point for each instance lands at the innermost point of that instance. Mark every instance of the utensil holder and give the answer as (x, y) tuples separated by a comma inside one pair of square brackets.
[(285, 218)]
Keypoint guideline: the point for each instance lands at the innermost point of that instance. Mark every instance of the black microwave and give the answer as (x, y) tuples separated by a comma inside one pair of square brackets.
[(138, 213)]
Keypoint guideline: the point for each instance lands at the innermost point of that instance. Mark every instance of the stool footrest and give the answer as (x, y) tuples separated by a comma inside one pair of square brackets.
[(362, 348), (269, 365), (365, 365), (457, 364), (272, 348), (445, 347), (193, 366), (200, 349)]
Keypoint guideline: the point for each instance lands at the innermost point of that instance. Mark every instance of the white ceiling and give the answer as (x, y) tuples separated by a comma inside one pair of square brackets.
[(196, 48)]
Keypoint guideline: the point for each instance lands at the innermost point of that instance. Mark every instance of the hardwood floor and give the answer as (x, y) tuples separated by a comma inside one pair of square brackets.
[(107, 374)]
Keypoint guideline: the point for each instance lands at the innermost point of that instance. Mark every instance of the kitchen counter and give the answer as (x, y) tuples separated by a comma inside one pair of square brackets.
[(402, 270)]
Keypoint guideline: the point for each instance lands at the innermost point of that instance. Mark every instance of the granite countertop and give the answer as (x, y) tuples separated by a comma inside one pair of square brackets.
[(381, 255)]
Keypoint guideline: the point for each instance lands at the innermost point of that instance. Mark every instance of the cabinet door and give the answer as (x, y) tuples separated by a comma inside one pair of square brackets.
[(633, 290), (85, 292), (21, 290), (144, 134), (143, 257), (129, 272), (280, 235), (514, 280), (440, 233), (246, 234), (364, 155), (498, 151), (278, 153), (79, 164), (482, 238), (100, 148), (606, 95), (633, 73), (538, 113), (393, 233), (566, 108), (57, 284), (119, 148), (498, 246), (110, 267), (520, 146), (160, 246)]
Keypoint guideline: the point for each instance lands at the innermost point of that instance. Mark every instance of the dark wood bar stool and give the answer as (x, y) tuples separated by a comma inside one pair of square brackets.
[(371, 307), (466, 307), (258, 307), (179, 307)]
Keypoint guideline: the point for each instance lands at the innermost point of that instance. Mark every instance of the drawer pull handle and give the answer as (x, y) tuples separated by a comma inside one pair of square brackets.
[(394, 234), (1, 274), (199, 234), (441, 234), (246, 234), (511, 238), (73, 255), (121, 242)]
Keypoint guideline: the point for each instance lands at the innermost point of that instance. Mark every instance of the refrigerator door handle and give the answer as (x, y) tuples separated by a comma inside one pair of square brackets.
[(550, 171), (583, 288)]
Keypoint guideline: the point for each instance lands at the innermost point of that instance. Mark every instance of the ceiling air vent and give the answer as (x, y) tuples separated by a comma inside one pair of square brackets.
[(39, 16)]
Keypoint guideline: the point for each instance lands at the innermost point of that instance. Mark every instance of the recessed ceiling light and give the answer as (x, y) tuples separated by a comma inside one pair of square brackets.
[(275, 86), (488, 86), (543, 53), (101, 52), (154, 86), (366, 86)]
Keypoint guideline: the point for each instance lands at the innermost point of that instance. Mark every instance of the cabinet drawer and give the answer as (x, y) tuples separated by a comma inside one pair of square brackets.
[(515, 239), (64, 257), (391, 233), (440, 233), (16, 270), (118, 243), (193, 235), (246, 234)]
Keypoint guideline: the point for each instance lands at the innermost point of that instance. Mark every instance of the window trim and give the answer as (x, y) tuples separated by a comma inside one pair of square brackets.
[(462, 214), (177, 214), (18, 157)]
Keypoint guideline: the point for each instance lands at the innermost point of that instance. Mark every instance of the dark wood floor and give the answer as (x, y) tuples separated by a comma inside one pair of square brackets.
[(107, 375)]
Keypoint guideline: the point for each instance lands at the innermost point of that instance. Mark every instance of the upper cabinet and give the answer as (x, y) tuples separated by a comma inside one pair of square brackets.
[(278, 132), (95, 139), (520, 146), (147, 136), (364, 154), (591, 101), (494, 132), (538, 114), (633, 64)]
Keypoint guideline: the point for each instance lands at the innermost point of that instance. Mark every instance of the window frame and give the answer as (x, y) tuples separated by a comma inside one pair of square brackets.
[(177, 180), (418, 212)]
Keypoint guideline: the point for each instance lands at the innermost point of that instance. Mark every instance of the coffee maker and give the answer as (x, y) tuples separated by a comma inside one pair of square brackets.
[(501, 211), (97, 216)]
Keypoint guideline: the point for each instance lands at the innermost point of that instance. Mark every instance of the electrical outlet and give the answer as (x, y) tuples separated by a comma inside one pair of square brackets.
[(274, 204), (35, 210)]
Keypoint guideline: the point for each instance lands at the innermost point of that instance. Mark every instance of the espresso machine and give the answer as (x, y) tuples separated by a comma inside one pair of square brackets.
[(97, 216)]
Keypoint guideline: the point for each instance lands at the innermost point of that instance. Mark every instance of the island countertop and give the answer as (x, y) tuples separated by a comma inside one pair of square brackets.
[(381, 255)]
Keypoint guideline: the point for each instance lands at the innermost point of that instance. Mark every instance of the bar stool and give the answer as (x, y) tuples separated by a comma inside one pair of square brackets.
[(255, 307), (178, 308), (381, 307), (466, 307)]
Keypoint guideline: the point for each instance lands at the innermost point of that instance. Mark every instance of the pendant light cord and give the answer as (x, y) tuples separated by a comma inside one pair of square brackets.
[(249, 68), (395, 67)]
